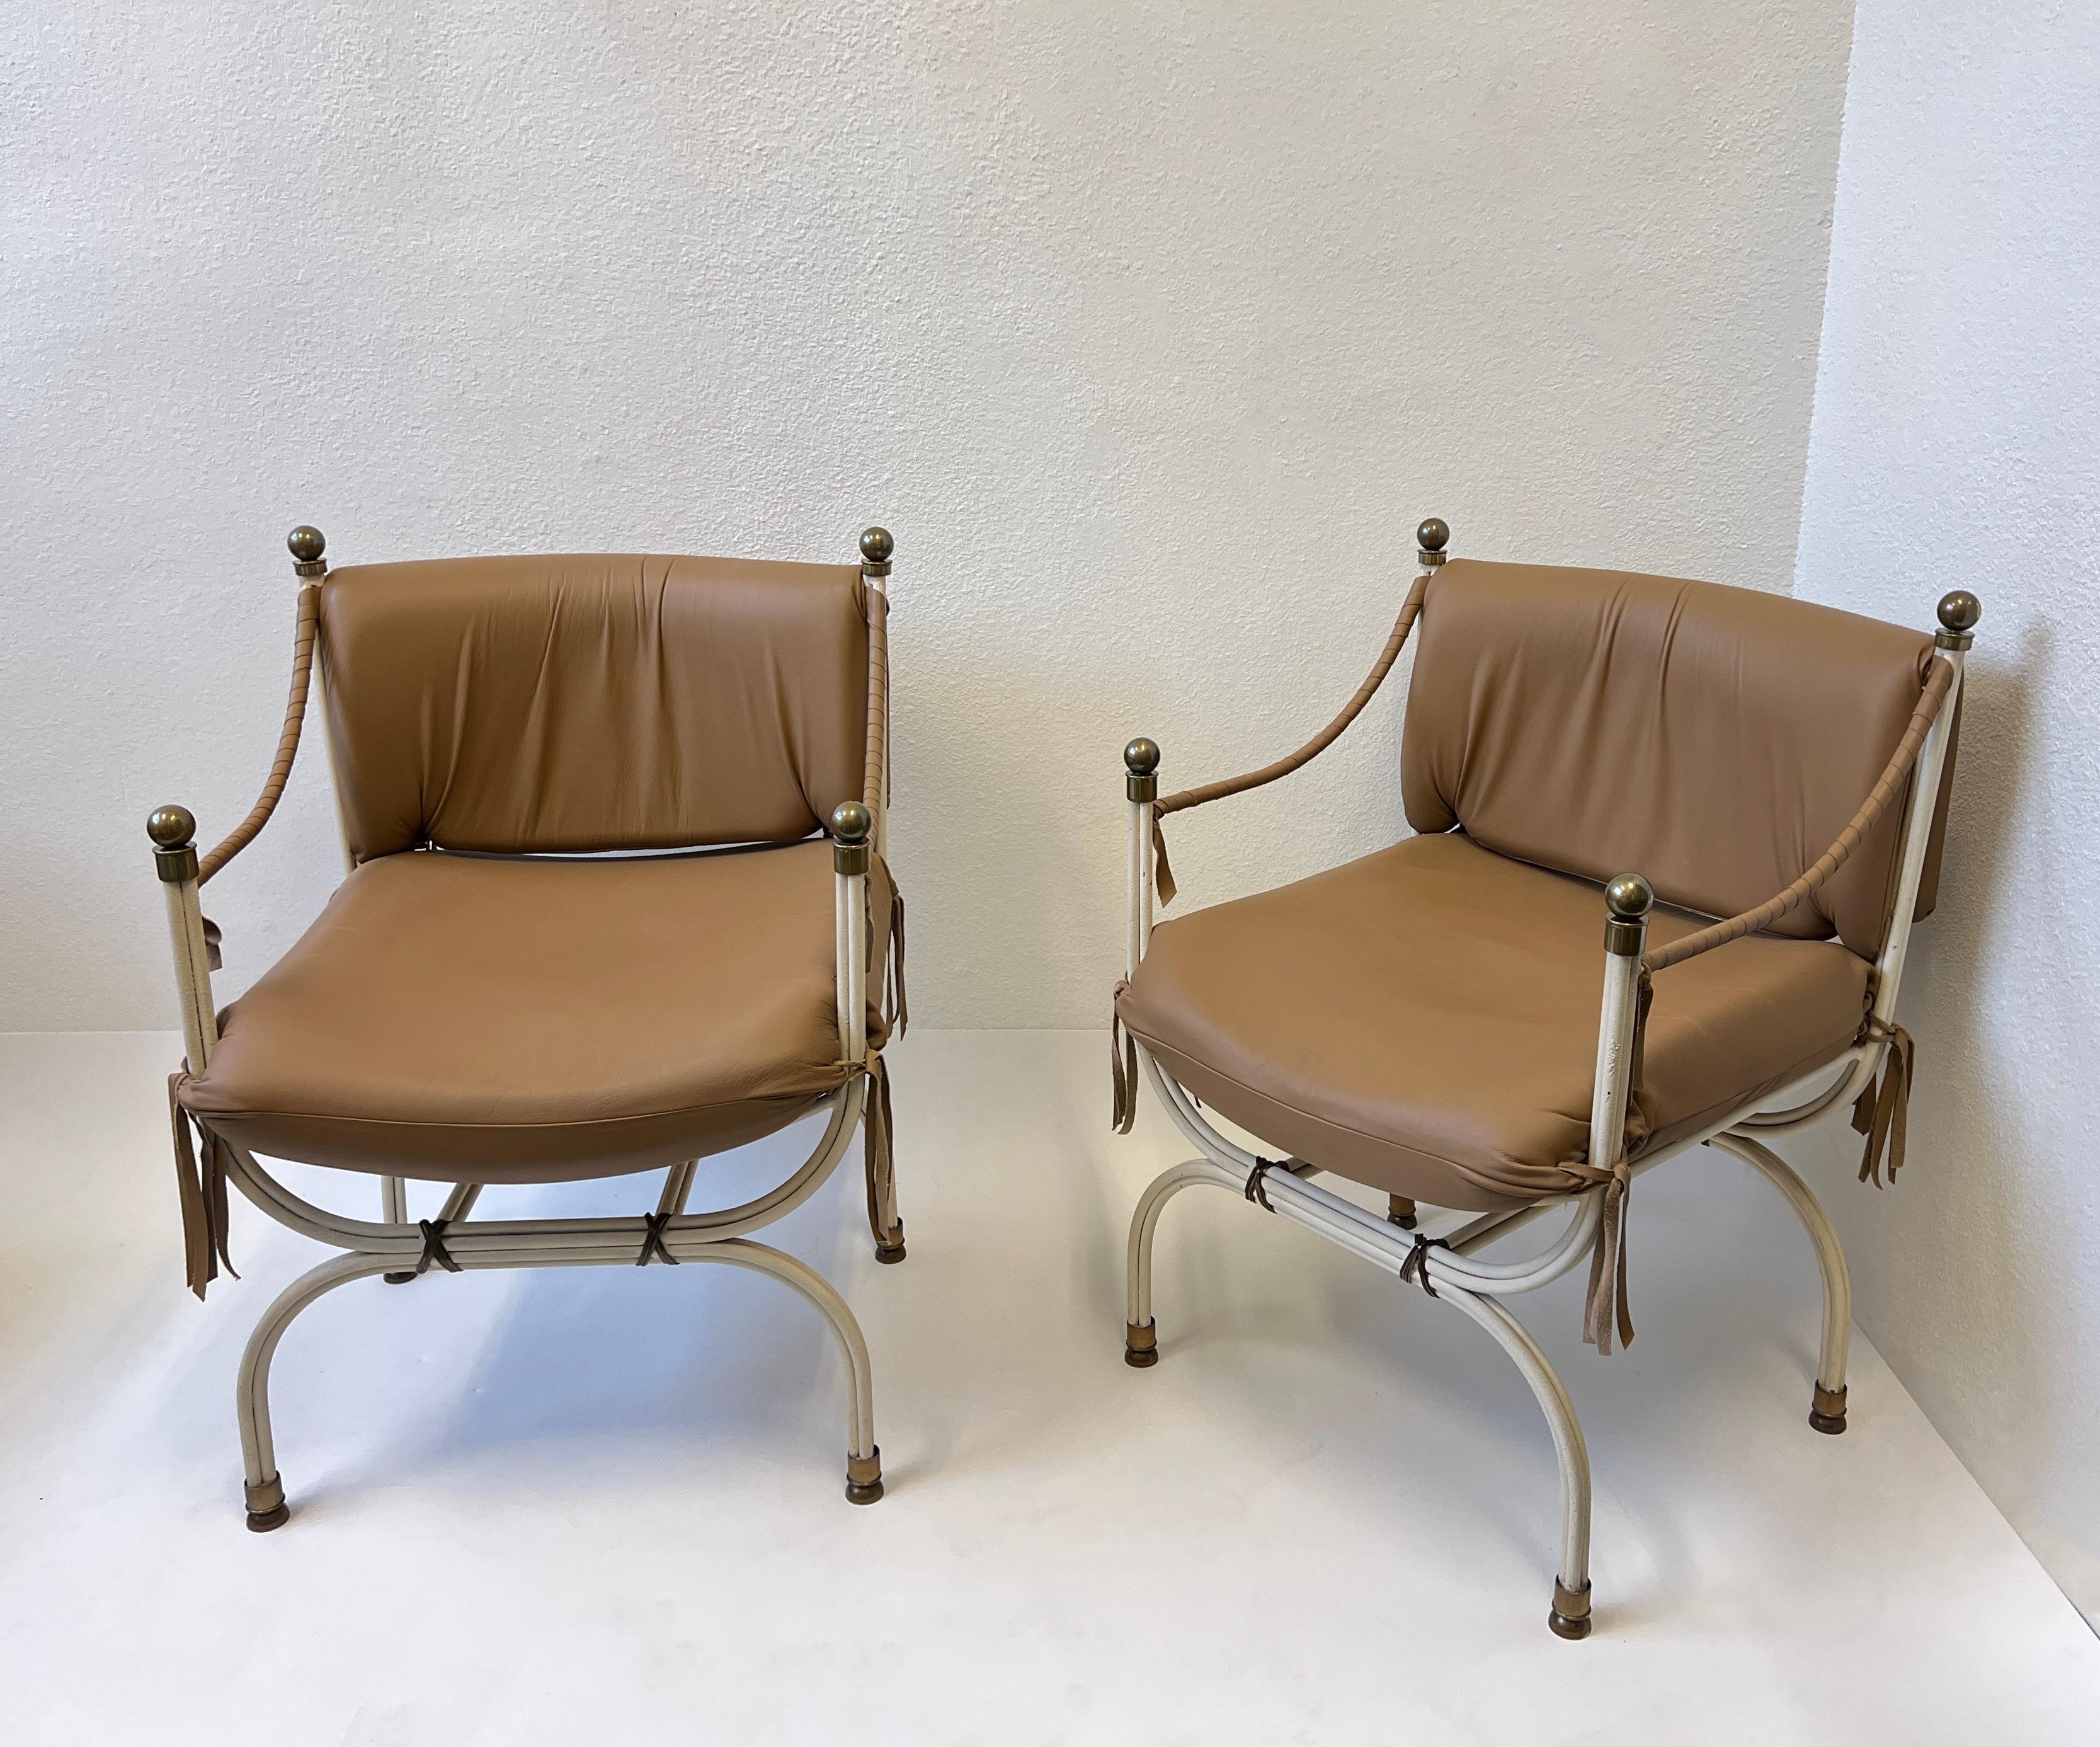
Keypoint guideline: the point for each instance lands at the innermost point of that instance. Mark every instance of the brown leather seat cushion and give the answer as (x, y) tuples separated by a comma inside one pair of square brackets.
[(469, 1018), (1424, 1020)]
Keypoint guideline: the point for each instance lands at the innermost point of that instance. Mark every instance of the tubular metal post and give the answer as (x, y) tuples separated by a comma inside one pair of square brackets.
[(172, 831), (877, 551), (851, 826), (1827, 1411), (1627, 900), (1958, 614), (1140, 784)]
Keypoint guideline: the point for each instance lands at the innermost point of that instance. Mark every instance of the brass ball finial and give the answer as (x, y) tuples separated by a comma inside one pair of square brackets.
[(851, 823), (1629, 896), (170, 827), (306, 545), (1958, 614), (1141, 768), (876, 548), (1429, 540)]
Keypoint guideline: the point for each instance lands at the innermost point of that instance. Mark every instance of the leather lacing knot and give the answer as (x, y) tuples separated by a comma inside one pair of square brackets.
[(434, 1246), (1123, 1065), (1882, 1114), (1415, 1268), (1257, 1192), (653, 1246)]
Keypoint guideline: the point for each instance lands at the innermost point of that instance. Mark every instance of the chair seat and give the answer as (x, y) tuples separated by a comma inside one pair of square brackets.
[(473, 1019), (1424, 1020)]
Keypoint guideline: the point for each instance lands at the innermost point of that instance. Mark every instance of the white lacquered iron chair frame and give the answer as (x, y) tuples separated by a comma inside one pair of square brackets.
[(400, 1249), (1451, 1271)]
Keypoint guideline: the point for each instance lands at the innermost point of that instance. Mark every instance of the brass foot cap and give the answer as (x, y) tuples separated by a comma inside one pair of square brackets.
[(1827, 1414), (1140, 1344), (1570, 1617), (266, 1509), (864, 1478), (889, 1252), (399, 1279)]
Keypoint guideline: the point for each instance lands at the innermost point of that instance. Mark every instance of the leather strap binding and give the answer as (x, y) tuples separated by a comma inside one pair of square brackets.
[(434, 1246), (1256, 1191), (1416, 1268), (653, 1246), (1163, 874), (287, 740)]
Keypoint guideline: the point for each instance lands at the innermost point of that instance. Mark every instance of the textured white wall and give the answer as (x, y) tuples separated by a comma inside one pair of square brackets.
[(1957, 425), (1150, 329)]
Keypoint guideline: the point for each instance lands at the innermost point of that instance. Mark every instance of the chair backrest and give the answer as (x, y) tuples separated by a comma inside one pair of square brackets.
[(592, 702), (1715, 740)]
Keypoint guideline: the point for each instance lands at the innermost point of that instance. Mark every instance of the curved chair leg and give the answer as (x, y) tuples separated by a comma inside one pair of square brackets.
[(1570, 1617), (264, 1490), (1827, 1410), (394, 1211), (1140, 1337), (863, 1459)]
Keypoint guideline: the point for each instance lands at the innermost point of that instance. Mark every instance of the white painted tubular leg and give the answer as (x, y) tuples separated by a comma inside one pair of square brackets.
[(258, 1454), (1145, 1220), (1830, 1254), (1568, 1447), (678, 1185), (251, 1395), (740, 1252)]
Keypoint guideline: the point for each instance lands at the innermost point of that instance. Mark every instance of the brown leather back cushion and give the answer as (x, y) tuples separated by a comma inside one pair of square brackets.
[(1715, 740), (599, 702)]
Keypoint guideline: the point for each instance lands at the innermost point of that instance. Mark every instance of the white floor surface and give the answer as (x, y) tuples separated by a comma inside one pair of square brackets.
[(606, 1505)]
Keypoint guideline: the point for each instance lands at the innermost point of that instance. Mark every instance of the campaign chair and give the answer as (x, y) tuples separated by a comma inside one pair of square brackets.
[(1434, 1022), (591, 926)]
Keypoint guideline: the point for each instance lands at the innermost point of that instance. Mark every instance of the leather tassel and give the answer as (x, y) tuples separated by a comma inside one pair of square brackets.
[(1607, 1307), (202, 1194), (1162, 869), (1123, 1067), (1882, 1114), (877, 1141)]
